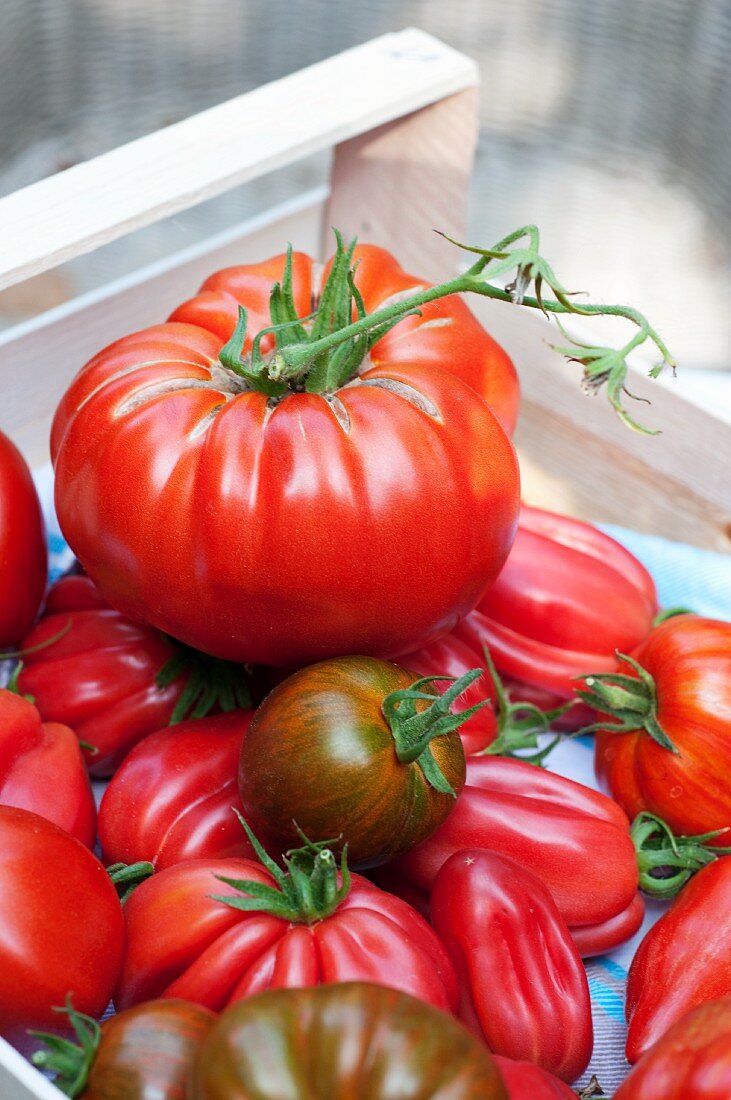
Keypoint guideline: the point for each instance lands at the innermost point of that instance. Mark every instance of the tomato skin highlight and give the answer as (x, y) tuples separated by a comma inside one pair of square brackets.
[(566, 599), (523, 985), (173, 797), (61, 921), (345, 1042), (689, 659), (213, 954), (690, 1061), (314, 529), (23, 551), (683, 961), (548, 824), (42, 769), (319, 752)]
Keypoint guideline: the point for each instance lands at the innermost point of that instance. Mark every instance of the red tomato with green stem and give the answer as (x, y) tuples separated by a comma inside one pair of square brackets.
[(171, 798), (23, 551), (566, 599), (242, 927), (355, 749), (663, 742), (61, 924), (145, 1053), (346, 1041), (299, 458), (114, 681), (42, 769), (690, 1061), (523, 985), (550, 825), (683, 961)]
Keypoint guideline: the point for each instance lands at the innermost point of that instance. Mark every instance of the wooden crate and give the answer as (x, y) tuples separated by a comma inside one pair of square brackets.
[(400, 114)]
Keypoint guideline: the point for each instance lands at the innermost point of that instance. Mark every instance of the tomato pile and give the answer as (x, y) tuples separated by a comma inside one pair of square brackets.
[(322, 653)]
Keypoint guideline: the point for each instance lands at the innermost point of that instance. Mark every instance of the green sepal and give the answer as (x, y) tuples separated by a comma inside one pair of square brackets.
[(211, 682), (69, 1062), (126, 877), (631, 700), (515, 734), (666, 861)]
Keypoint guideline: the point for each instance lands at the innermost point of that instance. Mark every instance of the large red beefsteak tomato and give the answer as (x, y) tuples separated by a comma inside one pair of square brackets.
[(277, 513)]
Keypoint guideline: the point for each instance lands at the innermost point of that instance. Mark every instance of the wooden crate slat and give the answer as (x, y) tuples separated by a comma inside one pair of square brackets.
[(19, 1080), (394, 185), (39, 358), (158, 175)]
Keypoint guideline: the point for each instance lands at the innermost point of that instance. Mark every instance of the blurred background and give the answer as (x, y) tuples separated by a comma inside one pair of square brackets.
[(607, 122)]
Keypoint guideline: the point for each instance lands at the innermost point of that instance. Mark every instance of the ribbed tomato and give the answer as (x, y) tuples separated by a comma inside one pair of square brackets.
[(344, 1042), (314, 522)]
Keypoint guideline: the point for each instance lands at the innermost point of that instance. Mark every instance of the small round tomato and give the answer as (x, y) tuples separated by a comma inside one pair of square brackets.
[(145, 1053), (23, 553), (61, 924), (344, 1042), (353, 748)]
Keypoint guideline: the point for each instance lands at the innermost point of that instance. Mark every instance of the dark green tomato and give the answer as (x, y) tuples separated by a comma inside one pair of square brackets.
[(146, 1053), (342, 1042), (320, 753)]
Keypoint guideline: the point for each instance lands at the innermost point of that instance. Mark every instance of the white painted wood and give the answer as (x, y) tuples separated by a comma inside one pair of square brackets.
[(39, 358), (578, 458), (394, 185), (19, 1080), (168, 171)]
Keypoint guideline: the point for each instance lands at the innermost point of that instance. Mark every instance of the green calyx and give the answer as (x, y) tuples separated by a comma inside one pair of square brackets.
[(631, 700), (69, 1062), (666, 861), (414, 725), (519, 725), (306, 892), (323, 351), (210, 683), (126, 877)]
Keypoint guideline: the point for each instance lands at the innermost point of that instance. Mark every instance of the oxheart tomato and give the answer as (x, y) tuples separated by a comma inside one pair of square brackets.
[(172, 797), (523, 986), (527, 1081), (61, 924), (691, 1061), (23, 552), (353, 748), (217, 931), (665, 746), (42, 769), (315, 525), (683, 961), (145, 1053), (112, 680), (566, 599), (351, 1041), (574, 839)]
